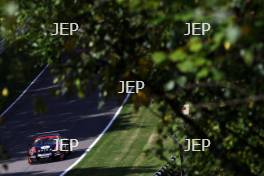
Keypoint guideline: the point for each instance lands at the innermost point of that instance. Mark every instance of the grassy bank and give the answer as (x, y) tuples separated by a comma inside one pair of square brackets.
[(121, 150)]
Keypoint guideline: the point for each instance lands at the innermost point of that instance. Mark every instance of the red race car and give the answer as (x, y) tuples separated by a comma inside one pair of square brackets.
[(48, 147)]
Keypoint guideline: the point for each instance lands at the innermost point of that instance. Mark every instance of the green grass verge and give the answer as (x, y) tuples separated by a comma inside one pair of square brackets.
[(120, 152)]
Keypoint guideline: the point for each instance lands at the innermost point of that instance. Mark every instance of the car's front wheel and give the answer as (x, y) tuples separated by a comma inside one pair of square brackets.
[(62, 156)]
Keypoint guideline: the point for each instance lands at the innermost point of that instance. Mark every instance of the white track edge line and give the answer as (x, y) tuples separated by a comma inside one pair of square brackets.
[(23, 93), (98, 138)]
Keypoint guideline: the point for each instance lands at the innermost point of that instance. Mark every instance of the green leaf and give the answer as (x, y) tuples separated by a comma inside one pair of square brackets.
[(232, 34), (11, 8), (195, 44), (217, 75), (78, 83), (247, 56), (199, 61), (177, 55), (169, 85), (158, 57), (202, 73), (182, 80), (186, 66), (81, 94), (50, 61)]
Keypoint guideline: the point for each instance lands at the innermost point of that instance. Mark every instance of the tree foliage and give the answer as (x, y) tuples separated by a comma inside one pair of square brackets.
[(219, 74)]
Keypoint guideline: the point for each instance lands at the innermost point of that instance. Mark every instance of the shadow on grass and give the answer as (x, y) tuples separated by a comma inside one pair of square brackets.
[(124, 122), (114, 171)]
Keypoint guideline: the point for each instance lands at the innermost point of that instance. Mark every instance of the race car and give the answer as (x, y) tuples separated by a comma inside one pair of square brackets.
[(48, 147)]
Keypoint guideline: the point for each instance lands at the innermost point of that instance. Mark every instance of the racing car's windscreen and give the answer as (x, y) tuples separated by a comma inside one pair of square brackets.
[(42, 142)]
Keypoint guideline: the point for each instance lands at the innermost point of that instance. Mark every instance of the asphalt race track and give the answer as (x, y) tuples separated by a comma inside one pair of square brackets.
[(78, 118)]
